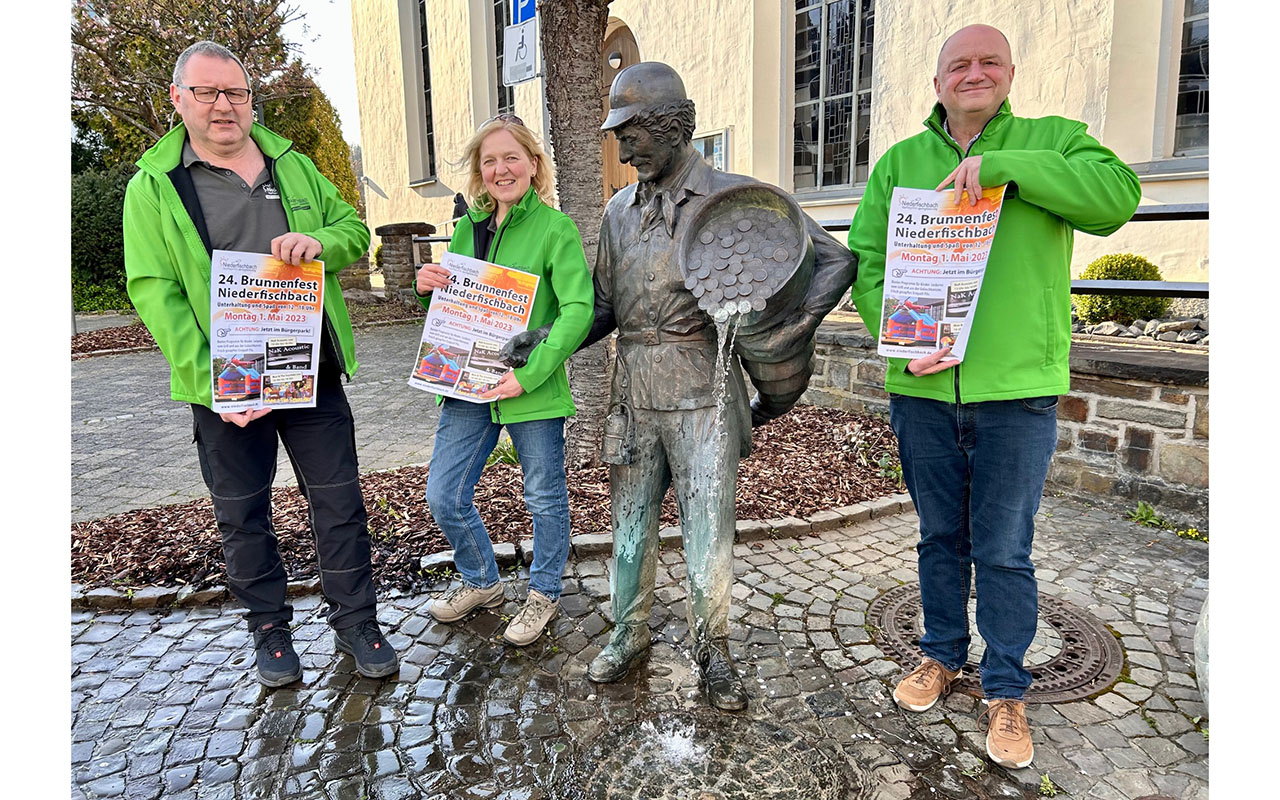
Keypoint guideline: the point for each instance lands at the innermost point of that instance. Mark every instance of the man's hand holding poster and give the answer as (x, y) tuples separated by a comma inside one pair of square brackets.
[(934, 262)]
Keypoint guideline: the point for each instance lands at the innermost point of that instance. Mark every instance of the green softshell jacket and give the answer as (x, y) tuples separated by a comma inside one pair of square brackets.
[(168, 268), (1060, 180), (536, 238)]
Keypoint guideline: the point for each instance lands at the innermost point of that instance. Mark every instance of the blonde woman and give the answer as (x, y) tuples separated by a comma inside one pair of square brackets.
[(509, 222)]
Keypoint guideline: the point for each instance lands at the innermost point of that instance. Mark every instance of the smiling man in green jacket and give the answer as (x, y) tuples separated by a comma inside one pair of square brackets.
[(976, 438), (220, 182)]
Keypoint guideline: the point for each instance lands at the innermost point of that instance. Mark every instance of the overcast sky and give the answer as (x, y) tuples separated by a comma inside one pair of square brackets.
[(325, 37)]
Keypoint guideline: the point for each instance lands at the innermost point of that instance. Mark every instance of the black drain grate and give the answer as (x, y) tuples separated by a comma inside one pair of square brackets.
[(1088, 658)]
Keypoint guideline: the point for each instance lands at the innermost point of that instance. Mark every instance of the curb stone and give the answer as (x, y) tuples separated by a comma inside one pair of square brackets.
[(584, 545)]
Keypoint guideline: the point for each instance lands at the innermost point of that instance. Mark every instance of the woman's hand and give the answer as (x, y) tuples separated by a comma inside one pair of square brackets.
[(431, 277)]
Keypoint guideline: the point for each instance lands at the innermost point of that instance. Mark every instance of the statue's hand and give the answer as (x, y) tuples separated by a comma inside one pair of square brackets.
[(515, 353)]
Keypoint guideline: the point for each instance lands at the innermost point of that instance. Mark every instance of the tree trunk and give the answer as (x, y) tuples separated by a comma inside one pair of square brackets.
[(572, 33)]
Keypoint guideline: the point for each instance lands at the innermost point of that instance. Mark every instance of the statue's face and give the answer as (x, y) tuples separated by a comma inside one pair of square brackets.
[(652, 156)]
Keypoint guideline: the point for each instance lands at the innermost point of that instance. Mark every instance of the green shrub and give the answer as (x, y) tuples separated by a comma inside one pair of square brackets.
[(1095, 308), (97, 239), (377, 258)]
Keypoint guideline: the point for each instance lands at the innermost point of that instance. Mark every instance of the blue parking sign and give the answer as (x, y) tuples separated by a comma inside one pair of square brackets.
[(522, 11)]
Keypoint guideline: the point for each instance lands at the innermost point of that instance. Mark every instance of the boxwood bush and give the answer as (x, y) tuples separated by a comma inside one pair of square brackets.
[(97, 239), (1095, 308)]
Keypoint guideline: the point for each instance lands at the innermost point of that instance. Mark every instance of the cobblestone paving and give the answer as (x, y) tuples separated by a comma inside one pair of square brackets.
[(131, 445), (164, 703)]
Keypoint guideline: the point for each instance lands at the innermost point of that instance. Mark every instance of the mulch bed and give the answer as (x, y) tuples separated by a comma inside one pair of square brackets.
[(810, 460), (134, 337)]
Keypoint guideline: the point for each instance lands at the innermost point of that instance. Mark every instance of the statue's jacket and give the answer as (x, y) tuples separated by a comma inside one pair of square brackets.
[(536, 238), (1060, 180)]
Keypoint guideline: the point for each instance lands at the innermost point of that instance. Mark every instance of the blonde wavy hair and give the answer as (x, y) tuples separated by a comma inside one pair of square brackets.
[(543, 181)]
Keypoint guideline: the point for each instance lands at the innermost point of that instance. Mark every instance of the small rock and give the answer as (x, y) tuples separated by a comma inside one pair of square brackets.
[(106, 598), (1205, 340), (1190, 336), (1108, 329), (1150, 329), (504, 553), (1140, 324), (152, 596), (1168, 336), (1077, 327), (1134, 330), (441, 560), (1203, 324), (1176, 325)]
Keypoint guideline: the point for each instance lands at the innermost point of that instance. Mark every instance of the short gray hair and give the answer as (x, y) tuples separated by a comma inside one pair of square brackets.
[(207, 48)]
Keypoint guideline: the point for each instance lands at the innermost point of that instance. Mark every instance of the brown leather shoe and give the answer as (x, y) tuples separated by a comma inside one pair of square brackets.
[(1008, 734), (924, 685)]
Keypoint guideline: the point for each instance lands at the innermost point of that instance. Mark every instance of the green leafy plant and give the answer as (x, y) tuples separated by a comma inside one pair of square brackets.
[(889, 468), (504, 453), (1047, 789), (97, 239), (1145, 514), (1095, 308)]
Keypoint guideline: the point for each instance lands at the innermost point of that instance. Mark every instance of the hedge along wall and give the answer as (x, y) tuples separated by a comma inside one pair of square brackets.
[(1134, 427)]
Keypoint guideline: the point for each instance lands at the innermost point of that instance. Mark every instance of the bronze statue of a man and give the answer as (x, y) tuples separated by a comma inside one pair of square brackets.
[(663, 429)]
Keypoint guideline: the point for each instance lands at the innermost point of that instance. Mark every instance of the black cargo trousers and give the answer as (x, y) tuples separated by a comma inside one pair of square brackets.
[(239, 465)]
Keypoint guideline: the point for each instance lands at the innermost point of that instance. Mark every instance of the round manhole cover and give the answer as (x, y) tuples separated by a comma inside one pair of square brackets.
[(710, 756), (1072, 656)]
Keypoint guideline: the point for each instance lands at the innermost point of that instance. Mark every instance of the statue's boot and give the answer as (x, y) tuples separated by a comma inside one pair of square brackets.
[(625, 647), (720, 677)]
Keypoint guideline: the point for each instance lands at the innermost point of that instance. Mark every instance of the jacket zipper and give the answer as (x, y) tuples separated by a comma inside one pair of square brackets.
[(324, 317), (493, 250)]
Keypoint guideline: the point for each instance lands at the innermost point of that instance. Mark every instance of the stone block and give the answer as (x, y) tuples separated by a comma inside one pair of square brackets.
[(1065, 472), (1110, 388), (1200, 424), (1185, 464), (505, 554), (302, 588), (860, 512), (1133, 412), (837, 374), (1097, 483), (190, 596), (1174, 396), (825, 521), (750, 530), (1138, 444), (152, 596), (788, 527), (871, 372), (671, 536), (592, 544), (526, 551), (1073, 409), (885, 506), (437, 561), (1065, 441), (1097, 441)]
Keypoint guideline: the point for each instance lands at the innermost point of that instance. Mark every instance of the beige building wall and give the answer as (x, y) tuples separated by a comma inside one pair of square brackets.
[(1109, 63)]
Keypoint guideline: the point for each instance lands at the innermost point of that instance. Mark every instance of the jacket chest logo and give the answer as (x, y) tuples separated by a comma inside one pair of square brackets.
[(299, 204)]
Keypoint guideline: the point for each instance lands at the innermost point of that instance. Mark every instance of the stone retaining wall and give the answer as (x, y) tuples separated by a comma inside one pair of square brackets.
[(1134, 427), (400, 258)]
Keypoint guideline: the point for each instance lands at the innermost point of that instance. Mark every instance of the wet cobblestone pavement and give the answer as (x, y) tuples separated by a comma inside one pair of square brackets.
[(131, 445), (165, 703)]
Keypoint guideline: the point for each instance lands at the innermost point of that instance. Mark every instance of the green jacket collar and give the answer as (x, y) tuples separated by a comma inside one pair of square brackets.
[(934, 122), (519, 211), (166, 154)]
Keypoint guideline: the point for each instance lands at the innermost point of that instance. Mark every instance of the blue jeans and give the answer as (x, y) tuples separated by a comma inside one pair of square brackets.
[(976, 472), (465, 438)]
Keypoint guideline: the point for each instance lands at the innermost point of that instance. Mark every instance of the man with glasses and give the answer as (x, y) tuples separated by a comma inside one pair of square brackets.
[(219, 182)]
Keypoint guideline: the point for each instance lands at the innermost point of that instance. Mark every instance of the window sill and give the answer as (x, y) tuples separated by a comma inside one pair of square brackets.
[(830, 197), (1173, 168), (422, 182)]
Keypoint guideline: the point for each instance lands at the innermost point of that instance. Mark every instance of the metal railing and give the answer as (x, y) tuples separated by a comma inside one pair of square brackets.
[(1167, 213)]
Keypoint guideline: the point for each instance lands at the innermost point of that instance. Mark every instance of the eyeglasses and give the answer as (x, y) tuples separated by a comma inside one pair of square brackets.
[(505, 118), (209, 94)]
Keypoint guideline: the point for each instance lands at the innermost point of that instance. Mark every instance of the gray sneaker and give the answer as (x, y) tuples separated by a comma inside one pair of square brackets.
[(533, 618), (456, 603)]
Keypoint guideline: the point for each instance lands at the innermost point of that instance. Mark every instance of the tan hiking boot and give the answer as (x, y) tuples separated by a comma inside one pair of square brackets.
[(528, 624), (1008, 734), (924, 685), (456, 603)]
